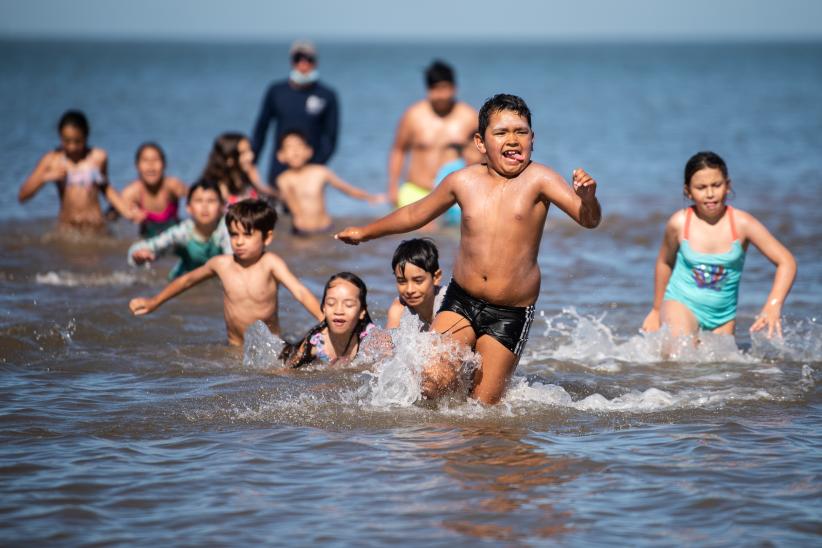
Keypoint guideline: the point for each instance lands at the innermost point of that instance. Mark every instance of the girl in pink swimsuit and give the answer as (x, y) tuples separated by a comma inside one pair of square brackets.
[(154, 197)]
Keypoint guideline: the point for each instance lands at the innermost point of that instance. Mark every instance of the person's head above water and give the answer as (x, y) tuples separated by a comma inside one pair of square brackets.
[(417, 271), (73, 129), (420, 252), (251, 215), (442, 87), (204, 202), (231, 155), (706, 182), (505, 136), (150, 160), (293, 149), (303, 56)]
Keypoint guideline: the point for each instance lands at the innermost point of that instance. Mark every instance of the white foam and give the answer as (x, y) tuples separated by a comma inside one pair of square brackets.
[(72, 279)]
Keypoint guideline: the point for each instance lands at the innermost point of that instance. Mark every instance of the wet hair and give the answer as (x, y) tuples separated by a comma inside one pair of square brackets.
[(420, 252), (289, 133), (439, 71), (299, 354), (252, 214), (147, 145), (223, 163), (74, 118), (204, 184), (702, 160), (499, 103)]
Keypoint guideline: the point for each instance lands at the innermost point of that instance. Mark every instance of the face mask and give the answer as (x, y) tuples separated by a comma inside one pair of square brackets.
[(303, 79)]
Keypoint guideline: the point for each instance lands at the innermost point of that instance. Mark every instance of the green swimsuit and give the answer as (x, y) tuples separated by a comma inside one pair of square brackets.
[(707, 283)]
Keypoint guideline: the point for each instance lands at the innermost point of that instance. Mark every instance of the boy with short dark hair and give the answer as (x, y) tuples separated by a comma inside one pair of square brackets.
[(302, 186), (195, 240), (418, 275), (489, 304), (250, 277)]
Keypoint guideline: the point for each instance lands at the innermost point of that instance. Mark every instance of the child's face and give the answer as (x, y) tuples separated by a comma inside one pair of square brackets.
[(708, 189), (341, 307), (294, 152), (246, 154), (205, 206), (507, 143), (415, 285), (73, 141), (150, 166), (248, 245)]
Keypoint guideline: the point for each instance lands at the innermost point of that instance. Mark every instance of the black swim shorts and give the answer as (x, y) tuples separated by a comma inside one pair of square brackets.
[(507, 324)]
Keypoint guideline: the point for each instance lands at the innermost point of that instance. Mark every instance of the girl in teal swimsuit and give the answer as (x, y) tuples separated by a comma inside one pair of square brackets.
[(700, 262)]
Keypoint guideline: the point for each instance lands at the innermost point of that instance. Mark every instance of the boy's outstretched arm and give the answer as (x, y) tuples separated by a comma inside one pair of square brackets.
[(301, 293), (141, 305), (405, 219), (580, 203), (351, 190)]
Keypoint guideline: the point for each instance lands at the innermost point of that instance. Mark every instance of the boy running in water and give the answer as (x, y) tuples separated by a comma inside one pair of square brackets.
[(489, 304), (250, 278)]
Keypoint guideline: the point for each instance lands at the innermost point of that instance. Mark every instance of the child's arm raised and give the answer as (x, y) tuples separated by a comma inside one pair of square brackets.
[(779, 255), (301, 293), (141, 305), (580, 203), (351, 190), (114, 198), (405, 219), (49, 168), (663, 268)]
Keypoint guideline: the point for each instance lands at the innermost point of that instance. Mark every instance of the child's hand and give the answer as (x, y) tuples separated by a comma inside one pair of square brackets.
[(651, 322), (351, 235), (377, 198), (584, 185), (143, 256), (140, 306), (770, 316)]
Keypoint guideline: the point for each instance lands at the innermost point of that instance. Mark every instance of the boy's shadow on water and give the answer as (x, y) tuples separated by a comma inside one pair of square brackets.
[(510, 483)]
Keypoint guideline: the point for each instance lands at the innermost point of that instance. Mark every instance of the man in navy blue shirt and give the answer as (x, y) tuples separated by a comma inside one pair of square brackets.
[(299, 103)]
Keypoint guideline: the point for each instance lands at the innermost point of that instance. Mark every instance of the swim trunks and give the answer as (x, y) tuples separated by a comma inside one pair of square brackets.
[(410, 193), (707, 283), (308, 233), (509, 325)]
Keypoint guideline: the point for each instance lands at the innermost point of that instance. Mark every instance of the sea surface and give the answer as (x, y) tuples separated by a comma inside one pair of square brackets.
[(151, 431)]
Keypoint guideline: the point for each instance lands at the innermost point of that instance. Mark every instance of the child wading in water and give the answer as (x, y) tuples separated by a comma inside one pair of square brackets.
[(302, 186), (154, 198), (345, 324), (197, 239), (417, 272), (489, 303), (80, 174), (696, 279), (250, 278), (231, 165)]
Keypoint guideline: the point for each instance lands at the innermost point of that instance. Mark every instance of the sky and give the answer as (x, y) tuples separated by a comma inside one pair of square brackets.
[(401, 20)]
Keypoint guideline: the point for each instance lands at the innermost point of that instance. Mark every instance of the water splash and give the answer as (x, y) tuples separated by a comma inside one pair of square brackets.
[(396, 379), (261, 348)]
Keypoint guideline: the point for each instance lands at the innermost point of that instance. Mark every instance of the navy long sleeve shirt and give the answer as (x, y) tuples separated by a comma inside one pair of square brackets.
[(312, 110)]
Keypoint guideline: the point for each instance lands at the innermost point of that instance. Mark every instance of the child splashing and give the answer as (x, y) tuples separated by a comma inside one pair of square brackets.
[(154, 197), (231, 165), (346, 322), (80, 174), (417, 272), (696, 279)]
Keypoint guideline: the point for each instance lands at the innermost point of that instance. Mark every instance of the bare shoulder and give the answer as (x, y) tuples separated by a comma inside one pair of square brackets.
[(548, 179), (220, 262), (272, 260), (131, 189), (676, 223), (98, 155), (464, 109), (176, 185), (745, 222), (466, 174)]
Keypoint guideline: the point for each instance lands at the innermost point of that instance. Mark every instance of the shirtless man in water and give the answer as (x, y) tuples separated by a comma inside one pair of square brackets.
[(426, 129), (489, 304)]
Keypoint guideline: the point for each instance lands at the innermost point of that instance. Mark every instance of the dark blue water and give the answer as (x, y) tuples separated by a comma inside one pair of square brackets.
[(119, 430)]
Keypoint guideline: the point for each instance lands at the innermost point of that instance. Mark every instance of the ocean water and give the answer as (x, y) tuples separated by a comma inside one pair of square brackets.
[(123, 430)]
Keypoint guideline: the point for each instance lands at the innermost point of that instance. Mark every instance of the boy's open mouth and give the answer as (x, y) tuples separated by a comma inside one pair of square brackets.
[(514, 155)]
